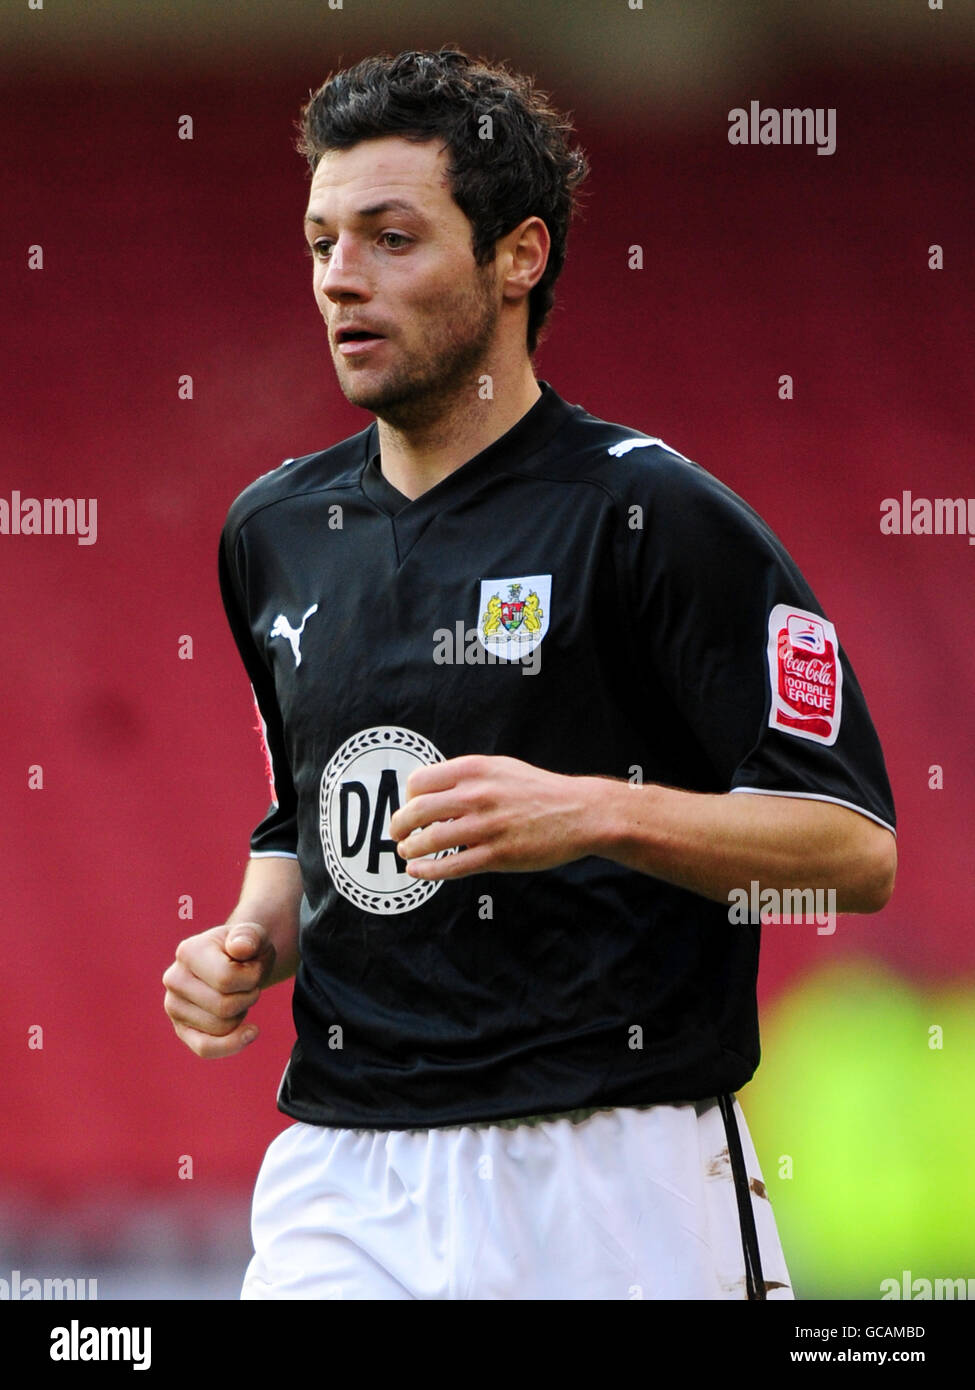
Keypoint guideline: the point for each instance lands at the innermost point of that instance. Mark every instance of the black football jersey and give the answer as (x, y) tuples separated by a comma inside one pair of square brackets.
[(583, 598)]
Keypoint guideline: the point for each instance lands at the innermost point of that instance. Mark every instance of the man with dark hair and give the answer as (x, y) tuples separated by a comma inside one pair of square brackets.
[(508, 149), (540, 698)]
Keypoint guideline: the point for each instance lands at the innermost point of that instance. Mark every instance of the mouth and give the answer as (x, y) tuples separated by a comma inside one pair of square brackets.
[(353, 341)]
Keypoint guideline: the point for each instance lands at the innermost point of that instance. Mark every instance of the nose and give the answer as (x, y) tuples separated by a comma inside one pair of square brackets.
[(342, 275)]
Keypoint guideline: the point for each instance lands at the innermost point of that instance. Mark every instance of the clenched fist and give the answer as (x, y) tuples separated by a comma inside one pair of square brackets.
[(214, 980)]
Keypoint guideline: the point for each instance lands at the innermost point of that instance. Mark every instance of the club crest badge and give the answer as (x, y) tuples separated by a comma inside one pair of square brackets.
[(806, 674), (513, 614)]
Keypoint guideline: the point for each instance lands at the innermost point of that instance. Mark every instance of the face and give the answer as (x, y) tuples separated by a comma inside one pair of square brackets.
[(393, 265)]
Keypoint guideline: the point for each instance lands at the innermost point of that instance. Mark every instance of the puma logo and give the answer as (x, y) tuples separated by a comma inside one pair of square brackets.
[(282, 628), (625, 445)]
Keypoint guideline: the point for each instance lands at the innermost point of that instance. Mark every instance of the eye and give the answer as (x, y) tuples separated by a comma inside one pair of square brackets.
[(399, 237), (321, 249)]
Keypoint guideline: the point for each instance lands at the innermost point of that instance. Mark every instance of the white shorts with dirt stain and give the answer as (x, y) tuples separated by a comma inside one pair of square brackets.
[(625, 1203)]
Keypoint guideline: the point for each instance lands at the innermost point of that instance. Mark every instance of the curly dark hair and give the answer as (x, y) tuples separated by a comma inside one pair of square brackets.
[(525, 167)]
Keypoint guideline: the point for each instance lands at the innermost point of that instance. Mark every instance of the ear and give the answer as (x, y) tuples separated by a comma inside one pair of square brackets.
[(522, 256)]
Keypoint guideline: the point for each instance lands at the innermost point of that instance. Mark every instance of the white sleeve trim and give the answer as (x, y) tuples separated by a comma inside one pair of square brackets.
[(815, 796), (272, 854)]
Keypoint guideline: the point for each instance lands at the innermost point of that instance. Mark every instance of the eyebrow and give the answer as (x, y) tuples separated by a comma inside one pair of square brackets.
[(387, 205)]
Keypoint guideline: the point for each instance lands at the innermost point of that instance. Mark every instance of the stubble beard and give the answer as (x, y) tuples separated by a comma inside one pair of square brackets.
[(423, 390)]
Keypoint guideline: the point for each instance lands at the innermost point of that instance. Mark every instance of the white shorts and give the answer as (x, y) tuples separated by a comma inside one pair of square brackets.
[(625, 1203)]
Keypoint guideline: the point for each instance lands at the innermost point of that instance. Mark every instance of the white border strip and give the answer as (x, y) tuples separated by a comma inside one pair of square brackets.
[(814, 796), (272, 854)]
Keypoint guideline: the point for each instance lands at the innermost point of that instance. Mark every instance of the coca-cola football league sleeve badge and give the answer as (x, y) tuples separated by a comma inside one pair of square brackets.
[(805, 673)]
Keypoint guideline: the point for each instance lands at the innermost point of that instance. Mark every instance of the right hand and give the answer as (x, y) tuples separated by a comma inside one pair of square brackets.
[(214, 980)]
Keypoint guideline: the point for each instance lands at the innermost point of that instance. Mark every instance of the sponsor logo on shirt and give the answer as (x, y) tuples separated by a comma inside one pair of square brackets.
[(805, 674), (362, 786), (514, 614)]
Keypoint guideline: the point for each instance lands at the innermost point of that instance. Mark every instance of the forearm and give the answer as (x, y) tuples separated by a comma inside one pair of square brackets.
[(271, 895), (712, 844)]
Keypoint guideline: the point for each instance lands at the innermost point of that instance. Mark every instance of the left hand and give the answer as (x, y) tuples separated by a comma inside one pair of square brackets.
[(507, 817)]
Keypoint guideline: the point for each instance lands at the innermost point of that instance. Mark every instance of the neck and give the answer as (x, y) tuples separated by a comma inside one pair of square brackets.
[(415, 458)]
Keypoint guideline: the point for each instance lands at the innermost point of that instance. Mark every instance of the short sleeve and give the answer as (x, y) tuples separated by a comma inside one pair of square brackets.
[(277, 834), (729, 627)]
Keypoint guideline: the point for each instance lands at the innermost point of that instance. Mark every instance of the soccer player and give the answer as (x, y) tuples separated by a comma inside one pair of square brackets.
[(540, 698)]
